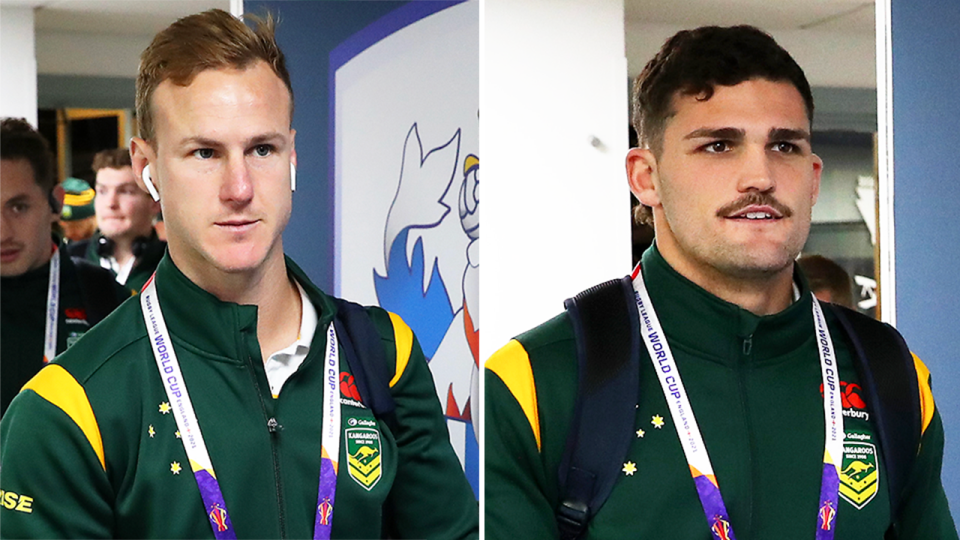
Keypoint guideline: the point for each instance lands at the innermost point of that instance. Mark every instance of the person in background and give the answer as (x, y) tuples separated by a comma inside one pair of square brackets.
[(125, 243), (78, 219), (739, 410), (828, 280), (227, 401), (47, 301)]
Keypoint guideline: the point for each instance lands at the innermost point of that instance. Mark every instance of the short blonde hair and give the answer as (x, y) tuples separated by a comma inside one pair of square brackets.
[(115, 158), (213, 39)]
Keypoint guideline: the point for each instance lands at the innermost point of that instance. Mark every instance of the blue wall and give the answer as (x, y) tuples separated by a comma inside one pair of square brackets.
[(926, 116), (307, 32)]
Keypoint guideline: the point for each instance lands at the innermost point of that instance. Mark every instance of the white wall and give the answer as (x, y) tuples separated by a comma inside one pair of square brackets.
[(828, 58), (18, 71), (79, 53), (556, 207)]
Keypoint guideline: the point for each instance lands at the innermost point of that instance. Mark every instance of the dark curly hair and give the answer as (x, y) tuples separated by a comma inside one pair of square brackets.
[(694, 62), (18, 140)]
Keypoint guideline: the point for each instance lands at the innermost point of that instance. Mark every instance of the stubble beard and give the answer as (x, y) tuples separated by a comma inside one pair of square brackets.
[(729, 260)]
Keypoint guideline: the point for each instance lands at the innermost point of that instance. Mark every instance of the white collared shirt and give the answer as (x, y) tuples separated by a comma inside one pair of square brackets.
[(284, 363), (122, 272)]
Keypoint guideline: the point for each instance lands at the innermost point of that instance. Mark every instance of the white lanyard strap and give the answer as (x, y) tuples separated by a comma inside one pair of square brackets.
[(181, 405), (688, 431), (329, 439), (832, 404), (53, 308), (684, 420), (833, 425), (192, 438)]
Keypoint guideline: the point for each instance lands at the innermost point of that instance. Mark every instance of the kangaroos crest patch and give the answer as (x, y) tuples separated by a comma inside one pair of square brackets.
[(859, 474), (363, 455)]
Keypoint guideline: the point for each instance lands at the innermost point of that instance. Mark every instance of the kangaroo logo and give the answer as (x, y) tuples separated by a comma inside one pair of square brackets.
[(858, 467), (860, 477), (365, 452), (363, 456)]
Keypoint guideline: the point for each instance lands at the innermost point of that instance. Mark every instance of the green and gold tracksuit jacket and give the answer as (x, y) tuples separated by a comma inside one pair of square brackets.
[(90, 448), (23, 310), (755, 386)]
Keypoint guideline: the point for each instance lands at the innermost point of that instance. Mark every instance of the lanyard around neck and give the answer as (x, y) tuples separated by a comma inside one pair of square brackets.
[(691, 440), (179, 398), (53, 308)]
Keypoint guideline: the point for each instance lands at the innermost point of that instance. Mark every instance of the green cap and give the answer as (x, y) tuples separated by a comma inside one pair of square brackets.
[(78, 200)]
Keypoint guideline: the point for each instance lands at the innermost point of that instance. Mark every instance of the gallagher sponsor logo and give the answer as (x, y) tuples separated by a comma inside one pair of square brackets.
[(853, 404)]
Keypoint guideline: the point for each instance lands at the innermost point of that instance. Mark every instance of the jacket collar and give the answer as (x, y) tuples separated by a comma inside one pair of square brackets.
[(224, 330), (705, 325)]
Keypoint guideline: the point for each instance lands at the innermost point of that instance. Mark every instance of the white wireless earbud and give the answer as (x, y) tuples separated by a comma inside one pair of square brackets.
[(149, 183), (293, 177)]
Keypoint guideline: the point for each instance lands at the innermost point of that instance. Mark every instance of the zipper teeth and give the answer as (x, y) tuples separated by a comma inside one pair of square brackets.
[(273, 451), (747, 349), (276, 472)]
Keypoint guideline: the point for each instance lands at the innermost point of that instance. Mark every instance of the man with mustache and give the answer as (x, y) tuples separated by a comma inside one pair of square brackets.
[(735, 425), (223, 401)]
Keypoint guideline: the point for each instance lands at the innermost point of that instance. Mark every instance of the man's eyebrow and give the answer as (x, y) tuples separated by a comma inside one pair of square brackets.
[(787, 134), (727, 133), (266, 138), (19, 198), (200, 141), (211, 143)]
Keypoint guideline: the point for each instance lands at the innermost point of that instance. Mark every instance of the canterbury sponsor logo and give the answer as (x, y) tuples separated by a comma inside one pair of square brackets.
[(16, 502), (851, 396), (348, 388), (77, 314)]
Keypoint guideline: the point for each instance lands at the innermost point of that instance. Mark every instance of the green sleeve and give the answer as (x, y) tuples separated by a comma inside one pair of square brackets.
[(123, 292), (52, 481), (516, 505), (925, 513), (431, 497)]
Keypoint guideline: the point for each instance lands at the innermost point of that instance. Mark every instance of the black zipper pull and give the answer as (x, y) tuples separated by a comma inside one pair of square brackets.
[(748, 345)]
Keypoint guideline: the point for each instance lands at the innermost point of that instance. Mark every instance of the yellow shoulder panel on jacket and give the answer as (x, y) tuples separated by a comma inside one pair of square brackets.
[(403, 337), (512, 365), (926, 394), (57, 385)]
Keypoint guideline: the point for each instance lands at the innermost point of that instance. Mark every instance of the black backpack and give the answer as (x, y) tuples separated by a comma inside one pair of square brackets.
[(606, 325), (368, 363), (364, 353)]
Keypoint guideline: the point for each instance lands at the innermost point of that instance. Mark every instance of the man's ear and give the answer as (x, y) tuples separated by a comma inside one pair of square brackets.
[(817, 172), (141, 155), (56, 196), (293, 147), (642, 175)]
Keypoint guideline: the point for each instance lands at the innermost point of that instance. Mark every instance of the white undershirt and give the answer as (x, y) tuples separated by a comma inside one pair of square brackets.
[(284, 363), (122, 272)]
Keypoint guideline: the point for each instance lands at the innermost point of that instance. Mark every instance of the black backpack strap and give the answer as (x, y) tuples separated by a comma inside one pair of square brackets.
[(889, 376), (98, 290), (606, 325), (368, 363)]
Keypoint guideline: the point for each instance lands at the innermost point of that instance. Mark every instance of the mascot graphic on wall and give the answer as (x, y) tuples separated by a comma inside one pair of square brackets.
[(431, 247)]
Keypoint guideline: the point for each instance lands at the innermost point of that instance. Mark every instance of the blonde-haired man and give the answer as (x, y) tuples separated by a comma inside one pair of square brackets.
[(125, 242), (238, 413)]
